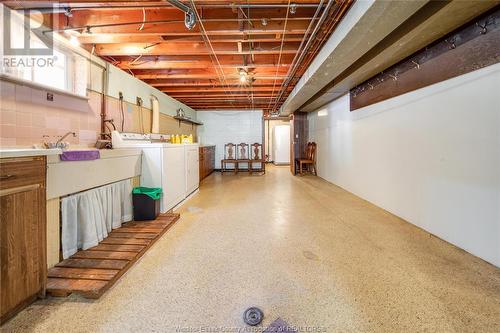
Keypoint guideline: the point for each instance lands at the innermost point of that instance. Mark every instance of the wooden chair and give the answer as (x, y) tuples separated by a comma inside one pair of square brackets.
[(257, 157), (242, 153), (229, 157), (309, 160)]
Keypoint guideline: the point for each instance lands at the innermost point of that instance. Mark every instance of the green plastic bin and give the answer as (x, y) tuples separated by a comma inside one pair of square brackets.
[(146, 201)]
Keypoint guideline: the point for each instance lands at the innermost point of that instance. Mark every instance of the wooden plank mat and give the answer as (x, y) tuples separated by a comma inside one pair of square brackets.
[(132, 235), (91, 272), (124, 241)]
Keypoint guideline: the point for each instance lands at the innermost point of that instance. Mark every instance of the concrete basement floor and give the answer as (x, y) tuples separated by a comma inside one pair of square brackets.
[(297, 247)]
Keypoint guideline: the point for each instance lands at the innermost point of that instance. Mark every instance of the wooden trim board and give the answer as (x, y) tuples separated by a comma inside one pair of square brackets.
[(91, 272)]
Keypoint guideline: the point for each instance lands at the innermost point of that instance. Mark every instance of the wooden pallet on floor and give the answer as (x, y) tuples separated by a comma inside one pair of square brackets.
[(91, 272)]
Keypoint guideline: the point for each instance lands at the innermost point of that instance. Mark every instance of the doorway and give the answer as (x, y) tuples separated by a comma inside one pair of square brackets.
[(277, 140)]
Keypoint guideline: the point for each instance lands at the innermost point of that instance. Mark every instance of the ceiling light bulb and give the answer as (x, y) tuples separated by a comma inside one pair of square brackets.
[(263, 21), (74, 41), (293, 8), (243, 79)]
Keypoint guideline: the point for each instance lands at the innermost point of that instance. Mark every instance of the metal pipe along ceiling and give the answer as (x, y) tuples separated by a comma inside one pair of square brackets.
[(87, 27), (68, 9), (281, 52), (213, 55), (190, 17), (301, 53)]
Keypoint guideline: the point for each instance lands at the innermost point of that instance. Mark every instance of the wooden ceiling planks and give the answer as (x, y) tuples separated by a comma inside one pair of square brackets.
[(260, 37)]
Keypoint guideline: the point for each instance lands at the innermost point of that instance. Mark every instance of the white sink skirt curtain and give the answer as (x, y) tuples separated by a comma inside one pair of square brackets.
[(88, 217)]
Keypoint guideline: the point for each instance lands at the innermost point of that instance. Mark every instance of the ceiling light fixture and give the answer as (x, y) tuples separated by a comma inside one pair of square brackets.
[(293, 8), (67, 12), (243, 76), (133, 50), (263, 21)]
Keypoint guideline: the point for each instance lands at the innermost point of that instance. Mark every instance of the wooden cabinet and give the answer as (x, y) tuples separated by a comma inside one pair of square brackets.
[(23, 268), (207, 161)]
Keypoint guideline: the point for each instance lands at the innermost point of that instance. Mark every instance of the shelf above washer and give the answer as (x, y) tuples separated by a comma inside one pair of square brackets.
[(188, 121)]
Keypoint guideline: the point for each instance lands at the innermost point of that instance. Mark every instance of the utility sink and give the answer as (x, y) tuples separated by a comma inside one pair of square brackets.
[(80, 155)]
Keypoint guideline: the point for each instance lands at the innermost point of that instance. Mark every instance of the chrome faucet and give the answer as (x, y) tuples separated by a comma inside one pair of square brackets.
[(60, 144)]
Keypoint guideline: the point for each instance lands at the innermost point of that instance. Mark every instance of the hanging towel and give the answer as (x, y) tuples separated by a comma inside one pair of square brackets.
[(88, 217)]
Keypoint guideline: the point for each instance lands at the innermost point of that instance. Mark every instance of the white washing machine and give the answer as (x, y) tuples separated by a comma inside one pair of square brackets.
[(173, 167)]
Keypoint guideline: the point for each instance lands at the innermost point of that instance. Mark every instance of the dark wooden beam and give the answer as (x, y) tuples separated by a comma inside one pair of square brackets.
[(463, 51)]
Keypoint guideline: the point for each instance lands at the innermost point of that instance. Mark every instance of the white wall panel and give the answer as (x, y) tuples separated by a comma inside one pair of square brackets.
[(221, 127), (121, 81), (431, 156)]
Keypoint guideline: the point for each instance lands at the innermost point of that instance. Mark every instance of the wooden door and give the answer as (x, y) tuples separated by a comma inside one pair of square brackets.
[(298, 138), (23, 268)]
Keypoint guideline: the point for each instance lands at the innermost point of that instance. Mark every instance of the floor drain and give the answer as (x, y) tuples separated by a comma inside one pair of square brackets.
[(253, 316)]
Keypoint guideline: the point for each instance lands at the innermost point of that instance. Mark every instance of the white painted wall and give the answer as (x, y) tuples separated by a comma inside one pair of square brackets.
[(131, 87), (221, 127), (431, 156)]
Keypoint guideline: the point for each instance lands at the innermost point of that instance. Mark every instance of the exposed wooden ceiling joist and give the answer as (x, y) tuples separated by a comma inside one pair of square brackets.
[(98, 16), (188, 48), (219, 95), (194, 74), (97, 38), (162, 64), (212, 28), (246, 90), (201, 67), (100, 3), (211, 83)]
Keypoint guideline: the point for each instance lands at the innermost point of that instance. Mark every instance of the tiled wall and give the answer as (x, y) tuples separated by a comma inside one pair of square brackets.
[(24, 120)]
